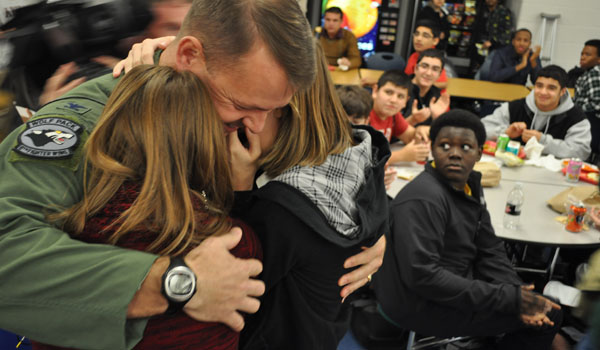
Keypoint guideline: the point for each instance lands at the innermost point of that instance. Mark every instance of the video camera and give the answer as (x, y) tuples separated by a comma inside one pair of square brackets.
[(45, 35)]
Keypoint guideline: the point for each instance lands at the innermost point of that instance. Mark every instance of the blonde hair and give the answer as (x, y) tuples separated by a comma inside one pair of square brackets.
[(159, 128), (312, 127)]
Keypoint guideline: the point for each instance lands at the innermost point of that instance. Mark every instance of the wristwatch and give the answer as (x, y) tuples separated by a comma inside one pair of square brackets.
[(178, 285)]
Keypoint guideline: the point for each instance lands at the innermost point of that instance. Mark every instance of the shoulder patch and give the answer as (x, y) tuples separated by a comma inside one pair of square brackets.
[(49, 138)]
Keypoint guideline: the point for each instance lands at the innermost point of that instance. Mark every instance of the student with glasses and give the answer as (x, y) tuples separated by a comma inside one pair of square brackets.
[(427, 102)]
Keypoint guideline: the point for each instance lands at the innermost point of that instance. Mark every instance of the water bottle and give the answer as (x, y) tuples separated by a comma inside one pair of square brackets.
[(514, 202)]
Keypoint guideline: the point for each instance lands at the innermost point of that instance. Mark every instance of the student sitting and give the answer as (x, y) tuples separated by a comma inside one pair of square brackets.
[(445, 273), (427, 102), (514, 63), (548, 114), (339, 44), (357, 103), (587, 89), (426, 36), (389, 97)]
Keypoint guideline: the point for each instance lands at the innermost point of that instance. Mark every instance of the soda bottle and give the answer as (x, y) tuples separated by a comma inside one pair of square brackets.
[(512, 212)]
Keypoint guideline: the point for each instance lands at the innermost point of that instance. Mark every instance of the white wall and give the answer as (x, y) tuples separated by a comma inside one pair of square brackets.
[(579, 22)]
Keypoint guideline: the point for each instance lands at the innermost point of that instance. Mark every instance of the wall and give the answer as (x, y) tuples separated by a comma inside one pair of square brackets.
[(579, 22)]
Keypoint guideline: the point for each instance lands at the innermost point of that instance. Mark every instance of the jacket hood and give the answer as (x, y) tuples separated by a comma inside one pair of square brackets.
[(346, 191), (541, 120)]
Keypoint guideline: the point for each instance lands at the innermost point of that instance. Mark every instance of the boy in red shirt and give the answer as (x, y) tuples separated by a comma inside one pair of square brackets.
[(426, 36), (389, 98)]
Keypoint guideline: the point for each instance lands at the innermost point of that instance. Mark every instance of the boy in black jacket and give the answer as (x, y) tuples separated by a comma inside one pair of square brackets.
[(445, 273)]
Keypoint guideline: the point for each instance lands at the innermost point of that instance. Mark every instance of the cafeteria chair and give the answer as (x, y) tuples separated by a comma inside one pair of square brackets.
[(385, 61)]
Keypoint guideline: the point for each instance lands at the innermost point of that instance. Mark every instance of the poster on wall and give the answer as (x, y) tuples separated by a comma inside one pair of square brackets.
[(360, 17)]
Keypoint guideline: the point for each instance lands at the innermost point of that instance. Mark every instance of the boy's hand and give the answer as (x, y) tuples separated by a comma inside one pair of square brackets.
[(439, 106), (422, 133), (515, 129), (419, 115), (533, 57), (524, 59), (389, 177), (595, 216), (417, 151), (528, 133)]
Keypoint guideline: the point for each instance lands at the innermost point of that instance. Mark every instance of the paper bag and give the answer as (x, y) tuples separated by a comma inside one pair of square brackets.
[(490, 173), (587, 194)]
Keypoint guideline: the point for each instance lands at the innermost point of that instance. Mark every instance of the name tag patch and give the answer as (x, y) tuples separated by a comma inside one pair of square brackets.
[(49, 138)]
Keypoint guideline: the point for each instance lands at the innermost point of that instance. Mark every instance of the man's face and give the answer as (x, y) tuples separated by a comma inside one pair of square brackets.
[(547, 93), (423, 39), (438, 3), (491, 3), (427, 71), (168, 17), (521, 42), (333, 23), (590, 57), (389, 99), (243, 95), (455, 152)]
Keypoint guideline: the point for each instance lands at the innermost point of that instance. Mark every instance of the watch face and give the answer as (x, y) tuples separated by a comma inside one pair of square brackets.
[(180, 284)]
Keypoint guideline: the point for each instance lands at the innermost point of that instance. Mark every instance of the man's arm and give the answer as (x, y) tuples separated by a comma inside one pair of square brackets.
[(352, 53), (576, 143), (419, 243), (83, 288), (92, 291), (496, 123), (500, 72)]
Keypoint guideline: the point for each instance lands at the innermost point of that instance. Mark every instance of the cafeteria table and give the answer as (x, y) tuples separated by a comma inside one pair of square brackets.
[(537, 223)]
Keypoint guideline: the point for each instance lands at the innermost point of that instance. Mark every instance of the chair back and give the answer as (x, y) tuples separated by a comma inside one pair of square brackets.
[(385, 61)]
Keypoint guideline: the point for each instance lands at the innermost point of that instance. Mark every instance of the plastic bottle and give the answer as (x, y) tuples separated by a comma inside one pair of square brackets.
[(514, 202)]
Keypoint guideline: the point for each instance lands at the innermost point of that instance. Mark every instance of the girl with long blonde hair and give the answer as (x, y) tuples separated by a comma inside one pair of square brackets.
[(158, 180)]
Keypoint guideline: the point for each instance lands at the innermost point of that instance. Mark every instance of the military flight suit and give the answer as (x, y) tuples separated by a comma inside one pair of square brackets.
[(55, 289)]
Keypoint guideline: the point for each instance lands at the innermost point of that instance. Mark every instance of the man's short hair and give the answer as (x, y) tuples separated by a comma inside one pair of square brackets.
[(335, 9), (357, 101), (396, 77), (554, 72), (229, 29), (595, 43), (427, 23), (434, 53), (459, 118), (514, 34)]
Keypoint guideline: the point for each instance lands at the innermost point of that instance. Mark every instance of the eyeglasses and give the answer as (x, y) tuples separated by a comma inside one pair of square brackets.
[(424, 35), (425, 66)]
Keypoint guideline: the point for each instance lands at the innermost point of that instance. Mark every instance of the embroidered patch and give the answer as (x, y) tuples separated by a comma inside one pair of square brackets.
[(77, 108), (49, 138)]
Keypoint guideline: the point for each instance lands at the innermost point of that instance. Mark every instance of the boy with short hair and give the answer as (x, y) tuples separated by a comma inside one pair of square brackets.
[(357, 103), (426, 36), (340, 45), (389, 98), (548, 114), (427, 102), (445, 273), (514, 63), (587, 89)]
